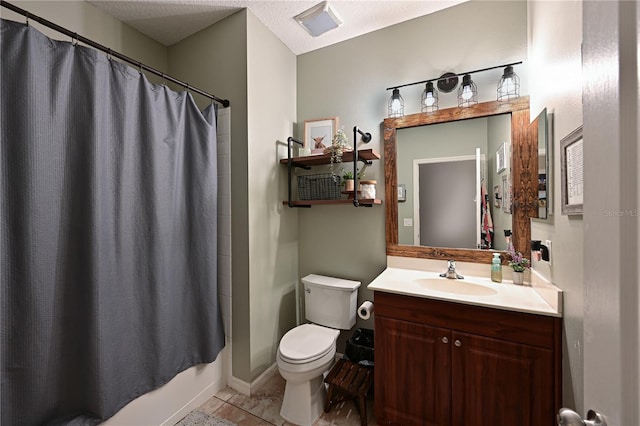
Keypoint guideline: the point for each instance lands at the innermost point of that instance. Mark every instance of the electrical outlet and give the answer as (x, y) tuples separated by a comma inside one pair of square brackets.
[(408, 221)]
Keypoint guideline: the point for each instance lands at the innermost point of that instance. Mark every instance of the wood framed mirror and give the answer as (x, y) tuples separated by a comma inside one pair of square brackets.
[(524, 178)]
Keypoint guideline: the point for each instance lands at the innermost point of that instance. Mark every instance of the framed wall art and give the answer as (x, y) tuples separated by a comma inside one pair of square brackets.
[(572, 173), (318, 134), (501, 162), (506, 193)]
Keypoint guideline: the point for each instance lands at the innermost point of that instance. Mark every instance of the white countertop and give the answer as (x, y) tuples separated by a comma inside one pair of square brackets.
[(505, 295)]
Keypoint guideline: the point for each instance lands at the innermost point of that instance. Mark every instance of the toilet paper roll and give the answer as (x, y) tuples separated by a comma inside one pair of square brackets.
[(365, 310)]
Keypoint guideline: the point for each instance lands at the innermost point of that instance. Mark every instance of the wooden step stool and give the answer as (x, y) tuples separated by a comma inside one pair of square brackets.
[(346, 381)]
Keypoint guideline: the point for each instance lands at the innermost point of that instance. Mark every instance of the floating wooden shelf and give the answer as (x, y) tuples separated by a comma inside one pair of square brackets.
[(318, 160), (365, 155)]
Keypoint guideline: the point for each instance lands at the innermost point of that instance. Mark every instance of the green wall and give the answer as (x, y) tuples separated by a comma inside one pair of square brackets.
[(349, 79)]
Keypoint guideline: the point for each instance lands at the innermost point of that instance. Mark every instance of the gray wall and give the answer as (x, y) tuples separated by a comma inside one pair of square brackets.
[(555, 38), (273, 229), (349, 80)]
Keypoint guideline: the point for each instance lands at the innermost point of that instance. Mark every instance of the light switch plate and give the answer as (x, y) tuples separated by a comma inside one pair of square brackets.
[(408, 221)]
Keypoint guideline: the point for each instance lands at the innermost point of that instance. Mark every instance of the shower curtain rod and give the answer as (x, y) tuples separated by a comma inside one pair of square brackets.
[(77, 37)]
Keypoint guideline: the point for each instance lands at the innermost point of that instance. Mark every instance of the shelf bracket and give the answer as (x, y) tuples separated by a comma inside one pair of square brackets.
[(366, 138), (290, 164)]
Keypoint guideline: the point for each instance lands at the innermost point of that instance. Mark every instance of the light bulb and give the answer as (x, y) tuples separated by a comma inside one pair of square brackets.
[(467, 93), (396, 105), (508, 85), (429, 100)]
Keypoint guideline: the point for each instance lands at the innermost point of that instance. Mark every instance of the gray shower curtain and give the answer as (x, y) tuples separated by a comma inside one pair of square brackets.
[(108, 190)]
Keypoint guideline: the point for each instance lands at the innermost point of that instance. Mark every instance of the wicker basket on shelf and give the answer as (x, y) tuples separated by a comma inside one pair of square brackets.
[(322, 186)]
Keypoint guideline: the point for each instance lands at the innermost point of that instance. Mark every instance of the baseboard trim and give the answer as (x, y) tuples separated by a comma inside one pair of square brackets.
[(206, 394), (245, 387)]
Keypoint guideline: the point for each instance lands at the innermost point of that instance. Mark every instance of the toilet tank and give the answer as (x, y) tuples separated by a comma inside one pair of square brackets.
[(329, 301)]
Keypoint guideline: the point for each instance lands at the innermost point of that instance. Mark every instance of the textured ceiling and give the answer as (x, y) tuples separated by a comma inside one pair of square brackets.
[(169, 21)]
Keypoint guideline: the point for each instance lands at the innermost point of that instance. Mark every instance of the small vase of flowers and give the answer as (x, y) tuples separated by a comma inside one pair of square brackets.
[(519, 264)]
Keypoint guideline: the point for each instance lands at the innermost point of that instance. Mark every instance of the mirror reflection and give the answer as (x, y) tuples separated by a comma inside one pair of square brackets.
[(544, 184), (456, 180)]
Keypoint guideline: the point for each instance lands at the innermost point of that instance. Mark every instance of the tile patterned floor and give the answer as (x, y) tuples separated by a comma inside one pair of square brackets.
[(229, 407)]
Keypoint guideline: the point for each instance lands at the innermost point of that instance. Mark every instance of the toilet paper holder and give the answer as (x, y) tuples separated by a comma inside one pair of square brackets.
[(365, 310)]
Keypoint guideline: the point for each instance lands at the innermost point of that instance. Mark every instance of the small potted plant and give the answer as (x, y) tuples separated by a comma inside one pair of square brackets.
[(519, 264), (348, 179)]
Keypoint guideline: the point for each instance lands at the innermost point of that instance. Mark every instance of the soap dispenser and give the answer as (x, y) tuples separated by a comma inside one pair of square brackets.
[(496, 268)]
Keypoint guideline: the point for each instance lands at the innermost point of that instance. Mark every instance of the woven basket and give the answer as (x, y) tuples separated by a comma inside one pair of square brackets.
[(323, 186)]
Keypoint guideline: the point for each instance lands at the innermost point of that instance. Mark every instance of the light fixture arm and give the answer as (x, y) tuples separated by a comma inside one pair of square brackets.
[(450, 75)]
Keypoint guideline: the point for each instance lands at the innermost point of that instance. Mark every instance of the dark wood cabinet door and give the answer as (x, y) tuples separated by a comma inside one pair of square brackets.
[(412, 373), (498, 382)]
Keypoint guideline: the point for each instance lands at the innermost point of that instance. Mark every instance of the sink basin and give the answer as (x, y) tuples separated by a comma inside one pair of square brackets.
[(462, 287)]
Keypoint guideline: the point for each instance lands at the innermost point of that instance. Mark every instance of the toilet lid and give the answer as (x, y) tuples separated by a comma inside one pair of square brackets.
[(307, 343)]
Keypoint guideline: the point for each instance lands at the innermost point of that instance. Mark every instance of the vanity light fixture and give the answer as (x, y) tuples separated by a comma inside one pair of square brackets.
[(319, 19), (508, 89), (396, 104), (429, 99), (467, 92), (509, 85)]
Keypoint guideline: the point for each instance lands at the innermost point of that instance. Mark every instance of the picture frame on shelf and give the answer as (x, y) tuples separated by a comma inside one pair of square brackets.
[(318, 134), (572, 173)]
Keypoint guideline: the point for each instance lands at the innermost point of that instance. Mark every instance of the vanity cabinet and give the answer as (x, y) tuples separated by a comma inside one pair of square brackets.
[(443, 363)]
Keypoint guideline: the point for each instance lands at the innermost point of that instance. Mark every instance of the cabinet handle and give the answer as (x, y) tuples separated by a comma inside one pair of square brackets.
[(445, 340), (458, 343)]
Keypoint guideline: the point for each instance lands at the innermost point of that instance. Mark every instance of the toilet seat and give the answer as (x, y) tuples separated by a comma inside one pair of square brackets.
[(307, 343)]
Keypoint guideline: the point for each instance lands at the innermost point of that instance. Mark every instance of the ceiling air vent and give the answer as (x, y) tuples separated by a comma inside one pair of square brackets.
[(319, 19)]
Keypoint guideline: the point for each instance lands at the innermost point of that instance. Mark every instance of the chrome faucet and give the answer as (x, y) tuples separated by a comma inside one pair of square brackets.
[(451, 271)]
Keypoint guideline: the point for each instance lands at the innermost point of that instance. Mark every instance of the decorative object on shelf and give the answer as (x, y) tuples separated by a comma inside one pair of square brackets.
[(396, 104), (339, 145), (319, 133), (467, 92), (508, 89), (368, 189), (519, 264), (322, 186), (571, 173), (509, 85), (348, 178)]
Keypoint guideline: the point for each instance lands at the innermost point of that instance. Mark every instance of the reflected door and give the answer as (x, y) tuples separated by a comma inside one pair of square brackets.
[(447, 198)]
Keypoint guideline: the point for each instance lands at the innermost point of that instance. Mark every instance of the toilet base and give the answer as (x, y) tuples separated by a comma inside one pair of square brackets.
[(303, 403)]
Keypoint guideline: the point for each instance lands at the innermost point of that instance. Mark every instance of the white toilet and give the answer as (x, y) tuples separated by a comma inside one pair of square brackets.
[(308, 351)]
